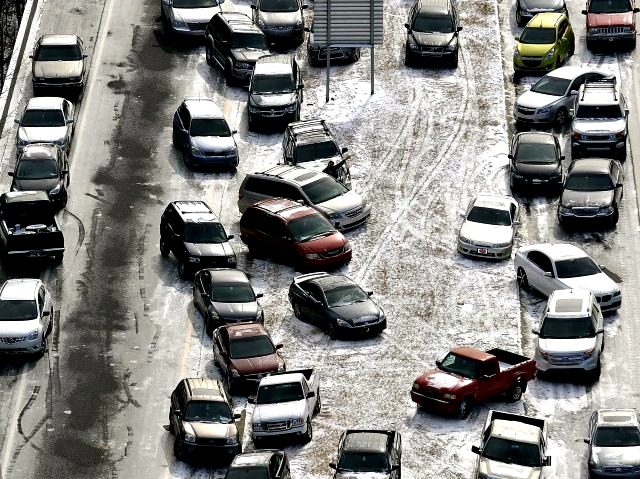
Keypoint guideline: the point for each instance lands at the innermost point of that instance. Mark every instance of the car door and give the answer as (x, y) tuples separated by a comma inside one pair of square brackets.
[(44, 313), (491, 382), (221, 349), (618, 179), (177, 404), (598, 323), (285, 468), (536, 262), (200, 290), (313, 308), (514, 211), (67, 111), (178, 125)]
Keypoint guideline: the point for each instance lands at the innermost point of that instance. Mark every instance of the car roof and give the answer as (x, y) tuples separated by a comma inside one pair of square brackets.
[(500, 202), (473, 353), (239, 22), (286, 209), (273, 65), (14, 197), (255, 458), (205, 389), (366, 441), (202, 107), (295, 174), (39, 151), (591, 165), (282, 378), (195, 211), (617, 417), (331, 281), (538, 137), (310, 131), (45, 103), (557, 251), (545, 20), (514, 430), (243, 330), (570, 302), (570, 72), (57, 39), (433, 7), (24, 288), (228, 275)]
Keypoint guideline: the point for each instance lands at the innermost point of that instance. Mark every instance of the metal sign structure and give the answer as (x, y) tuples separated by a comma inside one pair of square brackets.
[(348, 23)]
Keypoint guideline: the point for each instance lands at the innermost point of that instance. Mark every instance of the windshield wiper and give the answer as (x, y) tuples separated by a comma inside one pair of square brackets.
[(317, 235)]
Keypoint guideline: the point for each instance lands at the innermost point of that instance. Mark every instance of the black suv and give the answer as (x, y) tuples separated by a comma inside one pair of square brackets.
[(362, 452), (234, 43), (312, 143), (432, 32), (275, 90), (202, 421), (265, 463), (196, 237)]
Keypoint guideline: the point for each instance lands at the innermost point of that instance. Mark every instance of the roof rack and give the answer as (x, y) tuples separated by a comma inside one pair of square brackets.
[(604, 84)]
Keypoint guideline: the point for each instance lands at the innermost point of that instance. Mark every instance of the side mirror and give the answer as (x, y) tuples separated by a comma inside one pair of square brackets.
[(562, 157), (476, 450), (602, 266), (259, 295), (619, 185), (16, 121), (572, 111), (307, 29), (600, 331), (510, 156), (166, 2), (305, 6), (547, 461), (516, 222), (344, 150), (251, 399), (233, 132), (254, 7), (333, 465), (548, 274), (438, 363), (626, 111), (84, 55), (459, 29), (573, 92), (636, 10), (45, 313), (517, 38), (64, 172), (237, 415), (311, 394), (369, 293), (205, 296), (177, 412), (70, 121), (30, 56), (395, 467), (584, 12), (484, 377), (230, 237), (337, 225), (535, 331), (408, 27), (10, 173), (587, 440), (279, 346)]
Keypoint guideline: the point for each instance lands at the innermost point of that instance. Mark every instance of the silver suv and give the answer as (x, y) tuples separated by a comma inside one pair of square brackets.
[(600, 118), (344, 208), (614, 443), (571, 334)]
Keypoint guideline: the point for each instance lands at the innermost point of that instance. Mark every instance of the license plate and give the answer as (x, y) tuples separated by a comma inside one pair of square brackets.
[(482, 250), (537, 181)]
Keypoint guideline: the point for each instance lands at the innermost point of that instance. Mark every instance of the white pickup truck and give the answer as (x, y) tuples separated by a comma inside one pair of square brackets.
[(284, 405)]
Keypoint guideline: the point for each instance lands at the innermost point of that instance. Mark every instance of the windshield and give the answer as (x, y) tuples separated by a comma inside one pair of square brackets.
[(489, 216), (613, 436), (347, 294), (363, 462), (208, 411), (324, 189), (251, 347), (54, 53), (272, 84), (574, 268), (204, 233), (567, 328), (538, 36), (589, 182), (309, 227), (232, 293), (248, 40), (37, 169), (17, 310), (438, 24), (51, 118), (536, 153), (551, 86), (245, 472), (279, 5), (597, 112), (316, 151), (194, 3), (466, 367), (512, 452), (609, 6), (209, 127), (278, 393)]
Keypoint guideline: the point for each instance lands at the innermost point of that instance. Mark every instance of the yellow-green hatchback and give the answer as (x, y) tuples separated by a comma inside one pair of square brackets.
[(546, 42)]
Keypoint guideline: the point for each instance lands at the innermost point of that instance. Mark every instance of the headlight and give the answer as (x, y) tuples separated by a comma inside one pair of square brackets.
[(256, 426), (260, 316), (617, 293), (334, 216), (312, 256), (38, 79), (544, 355), (231, 260), (178, 24), (299, 22), (516, 175), (193, 259), (549, 54), (260, 23), (243, 65), (465, 240), (33, 335), (347, 247), (449, 396), (564, 209), (14, 188), (636, 468), (21, 142), (281, 367), (56, 190), (608, 210), (195, 149), (60, 141), (451, 46), (546, 109), (290, 108), (75, 79), (232, 441), (214, 316), (297, 422), (415, 386), (343, 324), (621, 134), (413, 46), (253, 109), (587, 354), (235, 373), (516, 54), (189, 438)]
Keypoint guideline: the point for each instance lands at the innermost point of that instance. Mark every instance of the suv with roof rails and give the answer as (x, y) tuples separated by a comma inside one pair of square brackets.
[(202, 421), (610, 22), (600, 118), (345, 209), (234, 43), (263, 464), (275, 90), (196, 237), (311, 142), (363, 452), (293, 233), (614, 444)]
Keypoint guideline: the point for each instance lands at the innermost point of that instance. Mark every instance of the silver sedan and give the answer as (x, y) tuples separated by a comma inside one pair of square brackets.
[(46, 120)]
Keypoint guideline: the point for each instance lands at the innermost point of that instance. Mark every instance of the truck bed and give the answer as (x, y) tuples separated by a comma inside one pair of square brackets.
[(507, 359), (506, 416), (306, 372)]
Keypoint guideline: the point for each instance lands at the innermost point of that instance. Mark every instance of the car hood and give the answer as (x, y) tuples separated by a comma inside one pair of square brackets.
[(492, 234), (272, 99), (598, 284), (279, 412), (280, 18), (616, 456), (207, 430), (357, 313), (609, 19), (598, 126), (324, 244), (503, 470), (39, 134), (248, 55), (361, 475), (231, 311), (566, 346), (538, 6), (214, 144), (572, 198), (210, 249), (443, 381), (342, 203), (61, 69), (532, 99), (36, 185), (17, 328), (530, 50), (433, 39), (537, 169), (261, 364), (195, 15)]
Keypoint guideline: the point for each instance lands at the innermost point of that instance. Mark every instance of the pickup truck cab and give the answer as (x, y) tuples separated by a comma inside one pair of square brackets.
[(28, 226), (512, 447), (468, 376), (367, 454), (284, 405)]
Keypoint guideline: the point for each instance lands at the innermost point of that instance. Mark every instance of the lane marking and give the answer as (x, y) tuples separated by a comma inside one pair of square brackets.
[(13, 425)]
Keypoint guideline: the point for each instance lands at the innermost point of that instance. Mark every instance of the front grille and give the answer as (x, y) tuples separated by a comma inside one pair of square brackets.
[(196, 26), (354, 212), (271, 111), (276, 426), (430, 392), (13, 340), (597, 138), (526, 111), (531, 62), (585, 211), (219, 154), (609, 30), (425, 48), (211, 442), (618, 469), (332, 252), (604, 299), (565, 359)]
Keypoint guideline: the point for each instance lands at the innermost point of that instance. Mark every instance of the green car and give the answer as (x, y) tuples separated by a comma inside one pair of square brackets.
[(546, 42)]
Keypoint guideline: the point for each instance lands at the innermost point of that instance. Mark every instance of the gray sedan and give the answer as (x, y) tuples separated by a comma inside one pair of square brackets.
[(46, 120)]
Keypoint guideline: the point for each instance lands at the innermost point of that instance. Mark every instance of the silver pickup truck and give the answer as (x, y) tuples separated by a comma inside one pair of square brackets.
[(284, 405)]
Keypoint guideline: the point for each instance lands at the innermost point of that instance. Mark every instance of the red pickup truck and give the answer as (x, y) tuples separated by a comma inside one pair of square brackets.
[(468, 376)]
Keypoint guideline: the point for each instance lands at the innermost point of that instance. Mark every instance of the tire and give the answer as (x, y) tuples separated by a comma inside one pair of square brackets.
[(614, 218), (57, 258), (183, 270), (43, 346), (258, 443), (407, 59), (178, 449), (228, 75), (575, 153), (454, 61), (252, 123), (164, 247), (560, 118), (516, 76), (297, 312), (632, 44), (308, 437), (515, 393), (594, 375), (522, 279), (208, 325), (332, 330), (465, 408), (209, 55), (590, 45), (318, 407), (171, 428), (572, 49)]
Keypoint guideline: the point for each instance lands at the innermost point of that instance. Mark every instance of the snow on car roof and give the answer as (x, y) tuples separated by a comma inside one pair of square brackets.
[(619, 417), (53, 39), (569, 301), (494, 201), (19, 289), (569, 73), (45, 103), (557, 251), (282, 379), (515, 431)]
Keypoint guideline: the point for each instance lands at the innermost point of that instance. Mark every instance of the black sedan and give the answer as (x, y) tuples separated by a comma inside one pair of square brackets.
[(527, 9), (592, 192), (336, 304), (535, 161), (225, 296)]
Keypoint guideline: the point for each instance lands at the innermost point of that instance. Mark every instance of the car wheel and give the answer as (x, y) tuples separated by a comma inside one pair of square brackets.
[(228, 74), (590, 44), (209, 54), (454, 61), (560, 118), (57, 259), (522, 279), (332, 331), (297, 312), (465, 408), (614, 217), (572, 50), (515, 394), (171, 428), (43, 347), (407, 59), (208, 325), (594, 374), (632, 44), (164, 247), (309, 435), (183, 270), (516, 76), (318, 407), (178, 449), (229, 382)]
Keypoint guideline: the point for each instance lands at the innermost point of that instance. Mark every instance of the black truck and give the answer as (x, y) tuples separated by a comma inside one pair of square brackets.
[(29, 228), (363, 453)]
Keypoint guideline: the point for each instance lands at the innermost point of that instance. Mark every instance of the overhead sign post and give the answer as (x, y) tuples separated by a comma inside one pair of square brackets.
[(348, 23)]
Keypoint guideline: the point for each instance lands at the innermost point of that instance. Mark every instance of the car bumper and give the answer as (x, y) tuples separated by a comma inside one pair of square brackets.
[(533, 64), (328, 263), (583, 147), (346, 222), (249, 382), (58, 84), (294, 431), (610, 473), (212, 262), (35, 253), (435, 53), (438, 405), (610, 37), (212, 453), (241, 74), (531, 115), (529, 182), (484, 251), (214, 159), (276, 114), (196, 30), (557, 365), (363, 330), (20, 346), (277, 35)]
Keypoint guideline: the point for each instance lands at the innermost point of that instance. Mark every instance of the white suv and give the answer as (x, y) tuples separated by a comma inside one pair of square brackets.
[(26, 316), (571, 333)]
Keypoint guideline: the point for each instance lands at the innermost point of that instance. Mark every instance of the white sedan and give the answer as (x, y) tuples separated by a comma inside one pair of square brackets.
[(489, 227), (547, 267)]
